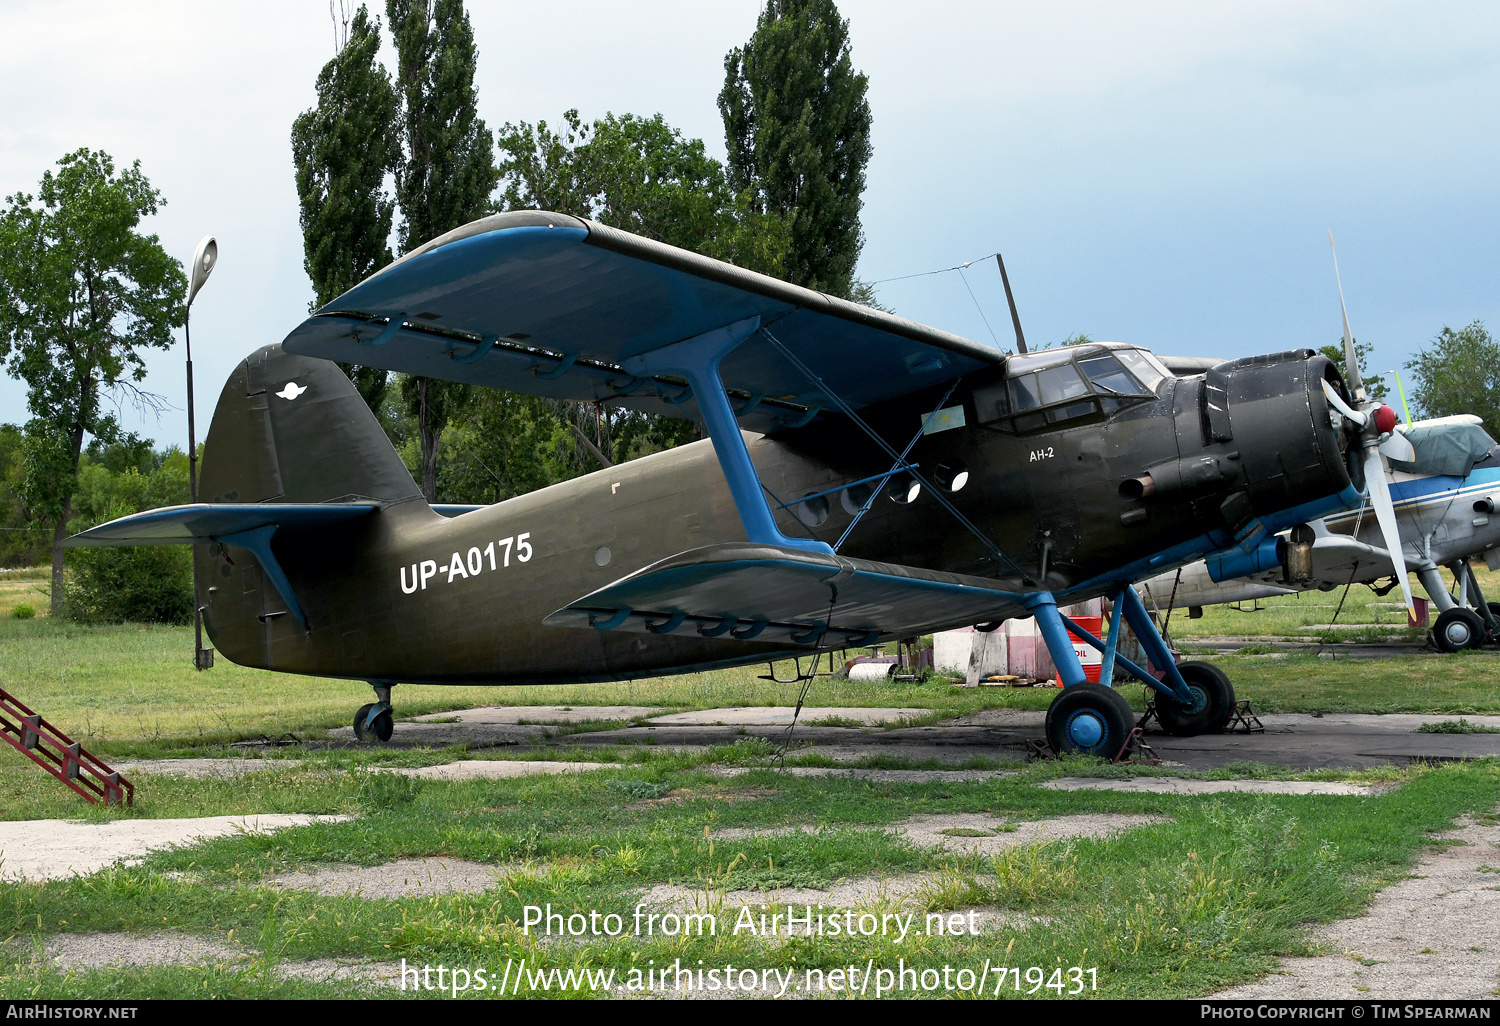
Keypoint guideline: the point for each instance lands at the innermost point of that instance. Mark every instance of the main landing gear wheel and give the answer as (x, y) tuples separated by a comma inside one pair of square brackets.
[(1089, 719), (1494, 608), (378, 729), (1213, 702), (1458, 629)]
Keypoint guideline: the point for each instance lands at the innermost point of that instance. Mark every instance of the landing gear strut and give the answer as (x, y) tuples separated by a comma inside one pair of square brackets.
[(1094, 719), (1467, 623), (375, 722)]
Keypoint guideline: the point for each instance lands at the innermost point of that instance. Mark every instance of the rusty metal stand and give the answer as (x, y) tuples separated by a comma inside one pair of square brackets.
[(1135, 751), (1037, 749), (60, 755), (1244, 721)]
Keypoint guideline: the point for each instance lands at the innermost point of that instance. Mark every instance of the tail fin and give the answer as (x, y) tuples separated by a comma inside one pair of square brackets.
[(294, 429)]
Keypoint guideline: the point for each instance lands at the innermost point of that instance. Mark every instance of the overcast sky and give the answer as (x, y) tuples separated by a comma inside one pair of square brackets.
[(1157, 173)]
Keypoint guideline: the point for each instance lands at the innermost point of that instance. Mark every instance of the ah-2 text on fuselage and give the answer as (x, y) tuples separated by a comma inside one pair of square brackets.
[(865, 478)]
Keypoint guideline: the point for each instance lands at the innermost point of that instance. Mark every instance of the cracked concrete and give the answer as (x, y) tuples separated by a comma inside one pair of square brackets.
[(56, 849), (403, 878)]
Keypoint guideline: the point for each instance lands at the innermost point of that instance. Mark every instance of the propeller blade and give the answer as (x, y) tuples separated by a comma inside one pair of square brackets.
[(1398, 448), (1351, 359), (1337, 402), (1379, 488)]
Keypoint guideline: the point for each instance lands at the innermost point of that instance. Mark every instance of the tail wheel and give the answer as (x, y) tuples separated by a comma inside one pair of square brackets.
[(378, 729), (1213, 702), (1089, 719), (1458, 629)]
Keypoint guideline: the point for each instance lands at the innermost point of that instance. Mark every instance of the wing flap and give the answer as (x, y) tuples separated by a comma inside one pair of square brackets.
[(749, 592)]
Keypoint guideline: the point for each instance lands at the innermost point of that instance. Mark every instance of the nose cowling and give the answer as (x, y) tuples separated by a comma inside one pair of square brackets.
[(1271, 411)]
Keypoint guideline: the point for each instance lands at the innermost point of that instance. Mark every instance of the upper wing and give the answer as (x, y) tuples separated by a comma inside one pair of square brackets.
[(552, 305)]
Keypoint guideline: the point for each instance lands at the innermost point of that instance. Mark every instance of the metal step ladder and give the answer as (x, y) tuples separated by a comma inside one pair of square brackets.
[(60, 755)]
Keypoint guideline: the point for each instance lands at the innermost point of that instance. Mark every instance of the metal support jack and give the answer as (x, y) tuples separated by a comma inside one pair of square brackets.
[(1136, 752)]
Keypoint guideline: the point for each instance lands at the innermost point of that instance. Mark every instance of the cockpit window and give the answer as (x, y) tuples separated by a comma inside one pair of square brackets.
[(1109, 376), (1059, 384), (1023, 393), (1062, 386), (1145, 367)]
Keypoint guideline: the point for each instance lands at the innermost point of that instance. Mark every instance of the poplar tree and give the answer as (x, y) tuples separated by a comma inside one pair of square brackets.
[(342, 150), (797, 128), (446, 173)]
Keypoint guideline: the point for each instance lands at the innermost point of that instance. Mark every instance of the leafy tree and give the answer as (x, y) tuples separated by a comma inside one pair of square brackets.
[(640, 175), (447, 171), (797, 126), (1375, 386), (342, 150), (82, 294), (1459, 373), (21, 541), (141, 583)]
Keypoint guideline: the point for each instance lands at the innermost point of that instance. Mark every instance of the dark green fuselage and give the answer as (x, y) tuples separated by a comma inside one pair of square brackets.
[(408, 595)]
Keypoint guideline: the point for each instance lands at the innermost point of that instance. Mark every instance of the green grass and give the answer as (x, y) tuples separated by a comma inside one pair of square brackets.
[(30, 586), (1307, 683), (1181, 909), (130, 689), (1459, 726), (1184, 908)]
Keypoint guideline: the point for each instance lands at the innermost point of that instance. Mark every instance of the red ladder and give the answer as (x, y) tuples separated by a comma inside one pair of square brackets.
[(60, 755)]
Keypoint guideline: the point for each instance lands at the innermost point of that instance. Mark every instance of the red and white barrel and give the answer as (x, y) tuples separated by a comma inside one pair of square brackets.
[(1091, 658)]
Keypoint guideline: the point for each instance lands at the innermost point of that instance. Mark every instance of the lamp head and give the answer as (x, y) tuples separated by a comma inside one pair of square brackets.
[(204, 259)]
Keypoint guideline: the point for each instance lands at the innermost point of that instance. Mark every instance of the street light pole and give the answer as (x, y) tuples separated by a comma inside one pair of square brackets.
[(204, 259)]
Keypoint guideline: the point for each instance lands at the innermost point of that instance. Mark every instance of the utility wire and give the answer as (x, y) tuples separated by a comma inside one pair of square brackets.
[(982, 317), (940, 270), (960, 268)]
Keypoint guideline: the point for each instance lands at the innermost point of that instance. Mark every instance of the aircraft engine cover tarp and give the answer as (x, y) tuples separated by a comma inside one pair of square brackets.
[(1446, 449), (552, 305)]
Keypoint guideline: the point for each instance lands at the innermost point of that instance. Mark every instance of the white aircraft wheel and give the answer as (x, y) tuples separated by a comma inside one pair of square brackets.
[(1458, 629)]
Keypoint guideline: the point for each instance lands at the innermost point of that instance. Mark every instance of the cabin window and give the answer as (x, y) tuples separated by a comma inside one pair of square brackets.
[(1059, 384)]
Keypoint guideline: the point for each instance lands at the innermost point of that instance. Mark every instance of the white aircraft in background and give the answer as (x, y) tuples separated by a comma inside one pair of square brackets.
[(1446, 501)]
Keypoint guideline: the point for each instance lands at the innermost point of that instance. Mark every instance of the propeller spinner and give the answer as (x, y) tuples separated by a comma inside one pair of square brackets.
[(1373, 427)]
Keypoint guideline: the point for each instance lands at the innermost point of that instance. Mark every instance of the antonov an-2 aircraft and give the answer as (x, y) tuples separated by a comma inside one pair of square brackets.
[(864, 478)]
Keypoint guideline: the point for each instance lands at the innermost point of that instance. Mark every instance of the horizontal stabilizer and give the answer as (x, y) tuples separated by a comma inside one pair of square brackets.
[(210, 522), (246, 525), (766, 593)]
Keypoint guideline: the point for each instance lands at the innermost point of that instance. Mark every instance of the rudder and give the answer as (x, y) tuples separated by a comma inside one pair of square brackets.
[(294, 429)]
